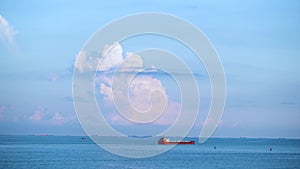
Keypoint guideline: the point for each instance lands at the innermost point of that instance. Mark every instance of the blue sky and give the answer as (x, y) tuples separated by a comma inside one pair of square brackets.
[(257, 42)]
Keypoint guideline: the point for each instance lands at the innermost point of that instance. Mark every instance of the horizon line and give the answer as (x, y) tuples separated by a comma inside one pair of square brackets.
[(137, 136)]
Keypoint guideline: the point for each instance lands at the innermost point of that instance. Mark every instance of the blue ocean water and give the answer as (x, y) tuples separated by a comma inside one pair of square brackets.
[(75, 152)]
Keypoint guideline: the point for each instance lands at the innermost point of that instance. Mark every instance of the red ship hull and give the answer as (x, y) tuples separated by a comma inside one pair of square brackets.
[(178, 142), (165, 140)]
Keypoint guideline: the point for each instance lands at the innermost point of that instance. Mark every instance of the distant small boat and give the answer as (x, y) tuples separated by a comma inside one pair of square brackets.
[(165, 140)]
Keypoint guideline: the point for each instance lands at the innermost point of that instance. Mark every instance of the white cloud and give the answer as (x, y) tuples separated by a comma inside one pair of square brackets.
[(84, 63), (132, 93), (7, 33), (140, 90), (106, 91), (111, 58), (132, 62)]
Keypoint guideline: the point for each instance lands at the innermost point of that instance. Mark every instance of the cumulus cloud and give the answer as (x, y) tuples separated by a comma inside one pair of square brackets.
[(106, 91), (111, 57), (140, 90), (84, 63), (7, 33), (119, 85), (132, 62), (116, 78)]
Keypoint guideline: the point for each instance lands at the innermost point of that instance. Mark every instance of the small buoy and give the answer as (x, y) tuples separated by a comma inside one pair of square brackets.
[(271, 149)]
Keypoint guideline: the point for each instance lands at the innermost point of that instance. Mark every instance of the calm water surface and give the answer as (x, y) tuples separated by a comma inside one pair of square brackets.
[(73, 152)]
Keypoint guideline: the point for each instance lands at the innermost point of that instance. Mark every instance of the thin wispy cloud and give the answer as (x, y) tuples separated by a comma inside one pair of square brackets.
[(7, 33), (42, 115)]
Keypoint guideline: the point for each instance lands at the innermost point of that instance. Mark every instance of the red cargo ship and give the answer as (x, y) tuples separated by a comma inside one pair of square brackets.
[(165, 140)]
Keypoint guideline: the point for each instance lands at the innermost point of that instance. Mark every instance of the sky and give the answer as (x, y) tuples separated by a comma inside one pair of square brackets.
[(257, 42)]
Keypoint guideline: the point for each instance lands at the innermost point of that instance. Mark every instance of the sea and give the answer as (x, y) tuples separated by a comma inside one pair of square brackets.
[(71, 152)]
